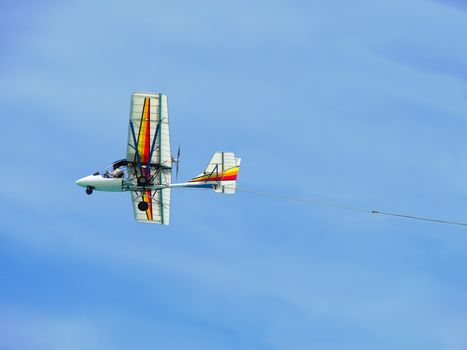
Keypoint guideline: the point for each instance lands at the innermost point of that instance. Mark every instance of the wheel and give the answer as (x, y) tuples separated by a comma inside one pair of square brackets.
[(142, 181), (143, 206), (89, 190)]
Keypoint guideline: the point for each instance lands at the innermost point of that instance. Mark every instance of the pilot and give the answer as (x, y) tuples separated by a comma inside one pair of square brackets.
[(117, 173)]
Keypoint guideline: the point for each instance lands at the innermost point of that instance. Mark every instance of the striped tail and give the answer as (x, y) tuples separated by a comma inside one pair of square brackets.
[(221, 173)]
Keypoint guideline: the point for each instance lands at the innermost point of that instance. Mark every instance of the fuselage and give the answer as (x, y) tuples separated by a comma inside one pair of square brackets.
[(106, 184), (123, 176), (101, 183)]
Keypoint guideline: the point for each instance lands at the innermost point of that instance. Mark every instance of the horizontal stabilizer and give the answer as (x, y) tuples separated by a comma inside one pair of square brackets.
[(221, 173)]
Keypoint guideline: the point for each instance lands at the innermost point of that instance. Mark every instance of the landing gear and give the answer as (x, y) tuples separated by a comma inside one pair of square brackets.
[(143, 206), (89, 190), (142, 181)]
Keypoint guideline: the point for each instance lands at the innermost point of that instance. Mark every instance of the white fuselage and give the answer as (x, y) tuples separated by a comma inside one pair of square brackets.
[(112, 184), (100, 183)]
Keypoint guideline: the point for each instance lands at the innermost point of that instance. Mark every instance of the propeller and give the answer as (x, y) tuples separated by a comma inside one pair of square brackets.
[(176, 161)]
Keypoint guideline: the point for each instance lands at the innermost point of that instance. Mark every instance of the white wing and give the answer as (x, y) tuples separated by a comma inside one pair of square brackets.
[(149, 144), (147, 112), (159, 205)]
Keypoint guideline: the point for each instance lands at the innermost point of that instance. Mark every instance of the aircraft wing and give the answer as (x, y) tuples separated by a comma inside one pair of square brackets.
[(149, 116), (159, 206), (149, 146)]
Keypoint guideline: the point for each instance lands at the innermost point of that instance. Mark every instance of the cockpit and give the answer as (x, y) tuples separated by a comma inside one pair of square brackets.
[(111, 179), (117, 169)]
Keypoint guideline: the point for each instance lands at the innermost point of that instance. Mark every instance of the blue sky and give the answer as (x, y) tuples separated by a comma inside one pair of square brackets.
[(361, 103)]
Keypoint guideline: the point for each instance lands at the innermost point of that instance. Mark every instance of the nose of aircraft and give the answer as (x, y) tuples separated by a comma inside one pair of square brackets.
[(83, 182)]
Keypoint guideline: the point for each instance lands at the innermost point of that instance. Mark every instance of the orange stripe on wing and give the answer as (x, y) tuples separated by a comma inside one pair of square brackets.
[(147, 198), (144, 139)]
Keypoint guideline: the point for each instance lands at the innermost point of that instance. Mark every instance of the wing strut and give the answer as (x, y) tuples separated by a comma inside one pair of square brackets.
[(136, 148), (148, 167), (216, 169)]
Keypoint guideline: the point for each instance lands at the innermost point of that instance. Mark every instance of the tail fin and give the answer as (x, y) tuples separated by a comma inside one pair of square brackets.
[(221, 173)]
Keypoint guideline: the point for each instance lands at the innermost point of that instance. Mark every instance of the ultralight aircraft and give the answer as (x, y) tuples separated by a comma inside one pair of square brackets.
[(146, 172)]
